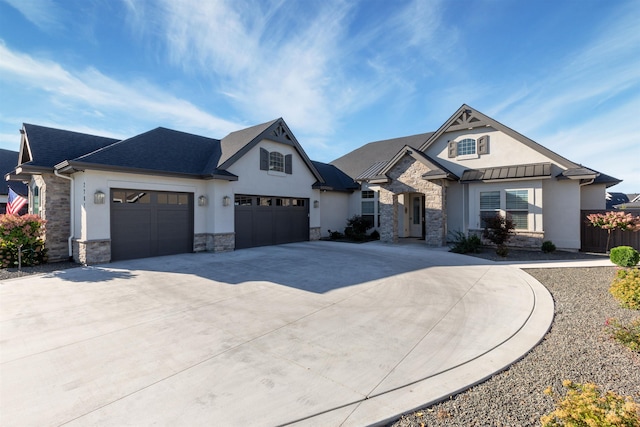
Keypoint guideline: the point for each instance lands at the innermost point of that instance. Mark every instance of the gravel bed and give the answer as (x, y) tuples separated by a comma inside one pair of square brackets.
[(11, 273), (577, 348)]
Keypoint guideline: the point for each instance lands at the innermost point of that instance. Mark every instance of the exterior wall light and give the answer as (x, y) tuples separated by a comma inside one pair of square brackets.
[(98, 198), (226, 201), (202, 200), (316, 203)]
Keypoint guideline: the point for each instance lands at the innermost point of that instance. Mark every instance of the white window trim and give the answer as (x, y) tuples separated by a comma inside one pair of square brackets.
[(534, 196)]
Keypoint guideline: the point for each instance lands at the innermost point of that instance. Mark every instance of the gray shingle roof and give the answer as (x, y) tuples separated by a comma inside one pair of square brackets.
[(364, 159), (334, 178), (537, 170), (160, 149), (50, 146), (237, 140), (8, 162)]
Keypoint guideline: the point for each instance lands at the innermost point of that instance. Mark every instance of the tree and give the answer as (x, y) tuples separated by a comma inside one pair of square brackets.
[(614, 221)]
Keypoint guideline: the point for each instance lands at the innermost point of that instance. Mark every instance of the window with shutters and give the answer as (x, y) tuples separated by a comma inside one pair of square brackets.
[(469, 148), (276, 161)]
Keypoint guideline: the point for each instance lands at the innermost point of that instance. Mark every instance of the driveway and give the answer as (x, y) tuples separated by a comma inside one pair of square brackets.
[(314, 333)]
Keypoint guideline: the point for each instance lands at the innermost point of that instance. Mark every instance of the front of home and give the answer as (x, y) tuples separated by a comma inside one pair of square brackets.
[(166, 192)]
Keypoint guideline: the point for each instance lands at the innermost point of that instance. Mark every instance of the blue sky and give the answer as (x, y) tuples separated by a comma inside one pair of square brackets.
[(341, 73)]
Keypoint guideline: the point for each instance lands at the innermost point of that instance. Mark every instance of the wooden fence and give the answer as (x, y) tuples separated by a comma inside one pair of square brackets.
[(594, 239)]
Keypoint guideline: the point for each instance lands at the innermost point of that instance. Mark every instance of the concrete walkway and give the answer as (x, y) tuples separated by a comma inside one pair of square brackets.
[(316, 333)]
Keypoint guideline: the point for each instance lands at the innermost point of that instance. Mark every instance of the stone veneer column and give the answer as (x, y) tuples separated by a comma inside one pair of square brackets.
[(315, 233), (406, 177), (55, 208)]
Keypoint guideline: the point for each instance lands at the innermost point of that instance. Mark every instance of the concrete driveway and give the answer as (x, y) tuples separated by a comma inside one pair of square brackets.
[(315, 333)]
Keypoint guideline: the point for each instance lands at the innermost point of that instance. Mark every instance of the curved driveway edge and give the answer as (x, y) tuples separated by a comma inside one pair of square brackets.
[(315, 333)]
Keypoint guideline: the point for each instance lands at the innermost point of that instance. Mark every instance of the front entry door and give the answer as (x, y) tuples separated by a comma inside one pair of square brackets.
[(416, 215)]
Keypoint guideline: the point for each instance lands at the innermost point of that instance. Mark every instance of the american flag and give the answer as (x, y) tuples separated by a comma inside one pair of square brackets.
[(15, 202)]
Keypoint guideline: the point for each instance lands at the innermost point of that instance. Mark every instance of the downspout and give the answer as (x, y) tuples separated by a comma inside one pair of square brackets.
[(71, 208), (582, 184)]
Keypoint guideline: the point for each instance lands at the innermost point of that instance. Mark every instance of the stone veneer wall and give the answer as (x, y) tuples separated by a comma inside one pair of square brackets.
[(315, 233), (520, 239), (406, 177), (92, 251), (219, 242), (55, 208)]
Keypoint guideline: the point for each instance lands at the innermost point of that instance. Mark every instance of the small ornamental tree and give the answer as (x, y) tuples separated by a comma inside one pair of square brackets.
[(21, 233), (498, 230), (614, 221)]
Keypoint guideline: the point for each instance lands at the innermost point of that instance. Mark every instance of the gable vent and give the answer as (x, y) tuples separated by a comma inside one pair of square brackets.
[(281, 133)]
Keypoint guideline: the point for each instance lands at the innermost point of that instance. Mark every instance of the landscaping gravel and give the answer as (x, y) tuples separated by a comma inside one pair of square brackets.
[(11, 273), (577, 348)]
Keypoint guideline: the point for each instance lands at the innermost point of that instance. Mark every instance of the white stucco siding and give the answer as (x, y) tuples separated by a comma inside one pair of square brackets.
[(253, 181), (561, 199), (93, 221), (334, 211), (456, 207), (593, 196), (503, 151)]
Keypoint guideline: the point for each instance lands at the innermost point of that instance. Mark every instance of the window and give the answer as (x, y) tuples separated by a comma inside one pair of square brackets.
[(131, 197), (513, 203), (276, 161), (35, 205), (368, 207), (298, 202), (466, 147), (489, 205), (517, 207), (243, 200)]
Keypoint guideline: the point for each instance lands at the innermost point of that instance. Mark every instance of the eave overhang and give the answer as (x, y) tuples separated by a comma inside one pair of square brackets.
[(70, 167)]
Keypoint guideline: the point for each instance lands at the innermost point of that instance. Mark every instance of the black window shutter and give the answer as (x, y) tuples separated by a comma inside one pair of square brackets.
[(483, 144), (288, 159), (453, 149), (264, 160)]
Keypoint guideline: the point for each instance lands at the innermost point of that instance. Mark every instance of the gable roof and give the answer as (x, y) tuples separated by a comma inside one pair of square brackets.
[(237, 144), (44, 147), (8, 161), (367, 160), (160, 150), (436, 170), (466, 117), (334, 178)]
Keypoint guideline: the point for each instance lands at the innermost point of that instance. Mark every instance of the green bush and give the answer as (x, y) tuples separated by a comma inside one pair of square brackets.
[(585, 405), (463, 244), (374, 235), (627, 335), (21, 233), (624, 256), (626, 288), (357, 227), (548, 246)]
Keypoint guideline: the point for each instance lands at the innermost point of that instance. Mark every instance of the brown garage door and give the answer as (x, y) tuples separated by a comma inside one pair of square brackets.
[(267, 220), (150, 223)]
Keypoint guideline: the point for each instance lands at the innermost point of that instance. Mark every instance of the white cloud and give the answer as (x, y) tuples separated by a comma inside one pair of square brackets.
[(42, 13), (90, 90)]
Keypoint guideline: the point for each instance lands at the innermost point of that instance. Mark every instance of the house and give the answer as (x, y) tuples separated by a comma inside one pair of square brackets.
[(613, 199), (471, 168), (7, 164), (164, 191)]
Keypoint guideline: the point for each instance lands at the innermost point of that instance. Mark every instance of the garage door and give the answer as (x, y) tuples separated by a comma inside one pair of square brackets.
[(267, 220), (150, 223)]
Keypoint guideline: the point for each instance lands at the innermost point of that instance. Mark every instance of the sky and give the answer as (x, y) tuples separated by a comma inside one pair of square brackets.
[(340, 72)]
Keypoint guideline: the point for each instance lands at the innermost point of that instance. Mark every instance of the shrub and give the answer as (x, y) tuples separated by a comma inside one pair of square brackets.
[(463, 244), (585, 405), (626, 288), (548, 246), (375, 235), (498, 230), (21, 233), (628, 335), (624, 256), (357, 227), (335, 235)]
